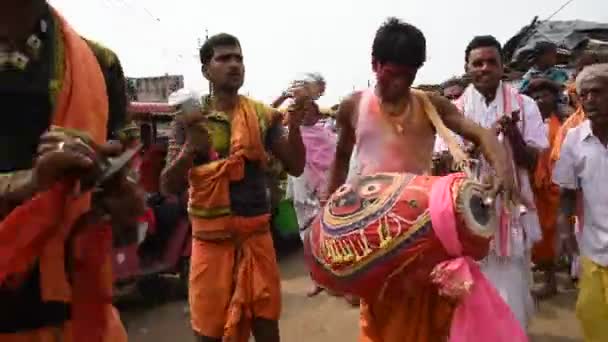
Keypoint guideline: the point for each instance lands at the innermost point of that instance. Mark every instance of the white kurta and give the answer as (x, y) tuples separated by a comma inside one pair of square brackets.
[(511, 275)]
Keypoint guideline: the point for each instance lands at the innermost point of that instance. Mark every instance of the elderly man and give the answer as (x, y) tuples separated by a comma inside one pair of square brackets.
[(234, 281), (314, 80), (582, 166), (493, 104), (52, 79)]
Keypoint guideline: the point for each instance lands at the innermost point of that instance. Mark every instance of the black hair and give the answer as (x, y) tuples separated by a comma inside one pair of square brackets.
[(399, 43), (539, 84), (223, 39), (482, 42)]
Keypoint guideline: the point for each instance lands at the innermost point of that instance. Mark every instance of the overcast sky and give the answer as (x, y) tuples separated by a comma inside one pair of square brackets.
[(283, 38)]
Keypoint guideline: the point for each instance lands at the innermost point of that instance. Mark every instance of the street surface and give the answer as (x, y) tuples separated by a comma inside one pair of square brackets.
[(319, 319)]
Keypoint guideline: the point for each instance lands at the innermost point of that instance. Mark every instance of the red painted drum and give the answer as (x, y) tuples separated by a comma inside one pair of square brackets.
[(378, 228)]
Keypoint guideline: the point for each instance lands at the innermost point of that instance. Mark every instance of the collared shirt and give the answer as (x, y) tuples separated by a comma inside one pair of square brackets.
[(583, 164), (534, 133), (531, 125)]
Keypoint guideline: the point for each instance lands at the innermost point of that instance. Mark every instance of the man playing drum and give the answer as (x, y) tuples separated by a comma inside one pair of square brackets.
[(392, 133)]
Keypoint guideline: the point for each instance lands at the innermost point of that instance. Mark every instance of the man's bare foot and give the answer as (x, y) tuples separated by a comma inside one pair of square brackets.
[(314, 290)]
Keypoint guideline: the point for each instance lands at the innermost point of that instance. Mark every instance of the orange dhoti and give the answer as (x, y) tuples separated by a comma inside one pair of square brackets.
[(234, 280), (547, 205), (546, 196), (417, 316)]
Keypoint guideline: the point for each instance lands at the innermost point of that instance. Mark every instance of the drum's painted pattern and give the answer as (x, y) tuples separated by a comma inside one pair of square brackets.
[(373, 229)]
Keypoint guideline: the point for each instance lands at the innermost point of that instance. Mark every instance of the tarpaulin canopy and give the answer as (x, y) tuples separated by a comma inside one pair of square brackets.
[(573, 37)]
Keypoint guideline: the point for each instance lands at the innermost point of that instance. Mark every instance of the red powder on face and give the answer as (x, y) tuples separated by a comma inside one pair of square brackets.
[(385, 72)]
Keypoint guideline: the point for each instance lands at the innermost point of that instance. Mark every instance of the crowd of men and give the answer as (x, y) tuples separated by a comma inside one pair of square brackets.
[(67, 99)]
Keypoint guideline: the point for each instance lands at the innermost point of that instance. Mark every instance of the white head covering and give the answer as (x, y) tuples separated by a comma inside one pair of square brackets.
[(184, 100), (591, 72)]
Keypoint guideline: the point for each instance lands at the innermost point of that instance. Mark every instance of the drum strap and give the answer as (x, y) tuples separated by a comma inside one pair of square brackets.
[(444, 133)]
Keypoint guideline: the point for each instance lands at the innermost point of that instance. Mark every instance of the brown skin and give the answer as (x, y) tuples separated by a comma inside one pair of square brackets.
[(453, 92), (546, 102), (395, 96), (485, 69), (122, 199), (288, 94), (594, 97), (17, 20), (226, 73)]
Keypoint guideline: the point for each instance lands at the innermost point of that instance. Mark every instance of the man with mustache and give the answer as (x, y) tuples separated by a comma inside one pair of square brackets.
[(582, 167), (389, 127), (51, 79), (493, 104), (234, 280)]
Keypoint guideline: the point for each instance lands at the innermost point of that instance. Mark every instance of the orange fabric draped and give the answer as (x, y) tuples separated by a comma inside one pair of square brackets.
[(233, 281), (574, 120), (577, 118), (38, 229), (234, 273), (209, 183), (546, 196), (417, 316)]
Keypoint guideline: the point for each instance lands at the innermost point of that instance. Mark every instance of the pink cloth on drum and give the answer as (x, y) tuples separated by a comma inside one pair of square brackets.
[(481, 314)]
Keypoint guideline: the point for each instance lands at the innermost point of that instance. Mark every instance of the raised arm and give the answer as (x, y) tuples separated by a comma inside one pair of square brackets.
[(188, 144), (345, 144), (280, 100), (289, 149)]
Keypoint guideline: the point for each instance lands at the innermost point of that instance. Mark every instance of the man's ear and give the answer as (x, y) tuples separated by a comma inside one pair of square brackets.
[(466, 67), (205, 71)]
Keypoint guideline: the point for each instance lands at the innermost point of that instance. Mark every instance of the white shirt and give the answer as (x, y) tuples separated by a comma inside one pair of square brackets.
[(477, 109), (534, 133), (583, 164)]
